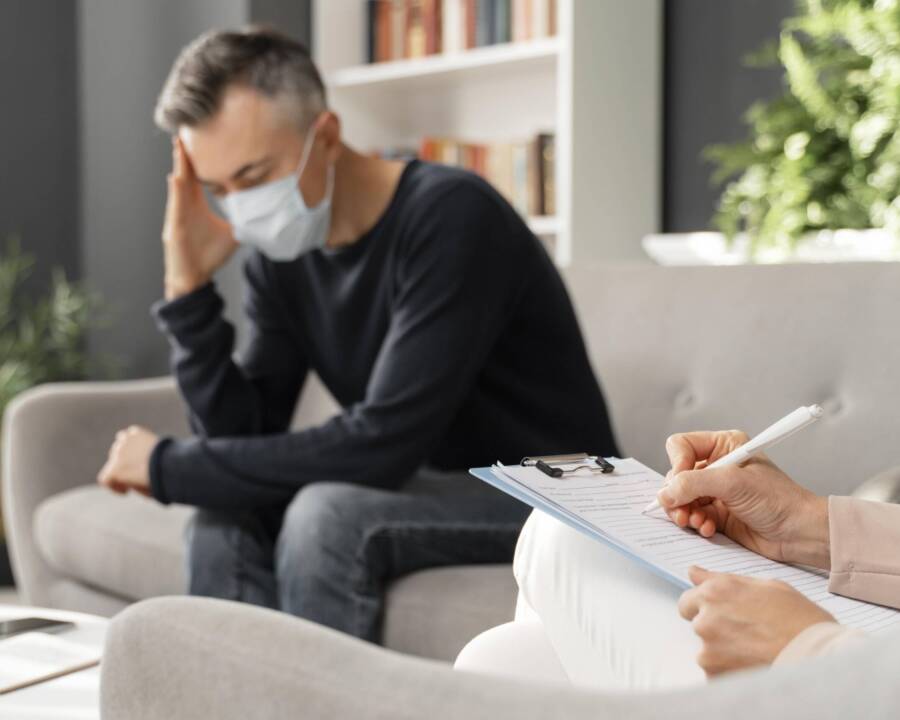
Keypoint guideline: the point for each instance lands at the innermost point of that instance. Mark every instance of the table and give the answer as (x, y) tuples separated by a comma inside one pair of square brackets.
[(74, 696)]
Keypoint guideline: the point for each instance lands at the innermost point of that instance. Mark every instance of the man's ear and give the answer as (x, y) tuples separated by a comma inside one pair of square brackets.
[(330, 132)]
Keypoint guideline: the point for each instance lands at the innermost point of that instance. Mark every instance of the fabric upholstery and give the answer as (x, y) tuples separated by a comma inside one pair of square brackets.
[(725, 347), (434, 613), (190, 657), (127, 545)]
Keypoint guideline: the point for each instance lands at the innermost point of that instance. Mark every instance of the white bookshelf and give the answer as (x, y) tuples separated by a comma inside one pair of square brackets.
[(596, 85)]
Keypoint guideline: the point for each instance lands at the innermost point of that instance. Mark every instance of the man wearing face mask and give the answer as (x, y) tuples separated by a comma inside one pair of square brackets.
[(414, 291)]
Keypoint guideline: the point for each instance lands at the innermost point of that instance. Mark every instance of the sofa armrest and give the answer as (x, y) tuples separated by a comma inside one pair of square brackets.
[(195, 657), (56, 437), (883, 487)]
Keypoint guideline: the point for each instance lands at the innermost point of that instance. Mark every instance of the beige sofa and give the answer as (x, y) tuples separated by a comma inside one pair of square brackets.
[(675, 349)]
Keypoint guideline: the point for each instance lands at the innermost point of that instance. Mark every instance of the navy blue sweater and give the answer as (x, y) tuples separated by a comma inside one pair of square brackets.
[(445, 333)]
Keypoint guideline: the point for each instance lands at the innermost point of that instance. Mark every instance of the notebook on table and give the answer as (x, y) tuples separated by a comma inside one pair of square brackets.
[(608, 508), (36, 657)]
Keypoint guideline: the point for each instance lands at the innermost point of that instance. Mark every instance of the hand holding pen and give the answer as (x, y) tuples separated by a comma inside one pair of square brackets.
[(753, 503)]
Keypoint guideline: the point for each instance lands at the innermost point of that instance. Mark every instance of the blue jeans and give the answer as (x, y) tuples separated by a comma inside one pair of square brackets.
[(330, 554)]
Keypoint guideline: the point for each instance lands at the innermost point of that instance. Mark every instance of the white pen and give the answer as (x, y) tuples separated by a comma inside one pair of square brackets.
[(772, 435)]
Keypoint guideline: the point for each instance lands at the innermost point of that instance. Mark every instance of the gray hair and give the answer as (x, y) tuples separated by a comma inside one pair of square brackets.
[(259, 58)]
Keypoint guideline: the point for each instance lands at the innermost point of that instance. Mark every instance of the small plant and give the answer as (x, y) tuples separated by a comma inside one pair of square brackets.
[(826, 154), (41, 340)]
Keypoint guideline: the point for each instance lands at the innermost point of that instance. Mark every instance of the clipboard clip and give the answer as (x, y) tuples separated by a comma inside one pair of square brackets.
[(550, 464)]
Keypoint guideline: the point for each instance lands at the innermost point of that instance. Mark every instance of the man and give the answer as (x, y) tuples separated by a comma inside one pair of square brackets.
[(417, 295)]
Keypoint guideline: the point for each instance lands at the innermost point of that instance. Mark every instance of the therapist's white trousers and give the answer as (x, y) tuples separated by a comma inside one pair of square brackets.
[(589, 616)]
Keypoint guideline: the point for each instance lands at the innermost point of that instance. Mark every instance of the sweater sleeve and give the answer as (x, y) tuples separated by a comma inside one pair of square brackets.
[(251, 395), (455, 286), (865, 550)]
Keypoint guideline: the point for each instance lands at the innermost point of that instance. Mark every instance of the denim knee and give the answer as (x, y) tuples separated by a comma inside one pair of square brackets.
[(209, 554), (321, 529)]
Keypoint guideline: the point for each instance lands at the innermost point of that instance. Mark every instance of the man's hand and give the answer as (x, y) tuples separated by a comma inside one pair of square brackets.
[(128, 465), (196, 241), (754, 504), (744, 621)]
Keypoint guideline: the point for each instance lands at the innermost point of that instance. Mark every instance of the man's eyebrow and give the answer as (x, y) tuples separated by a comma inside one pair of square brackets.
[(243, 170)]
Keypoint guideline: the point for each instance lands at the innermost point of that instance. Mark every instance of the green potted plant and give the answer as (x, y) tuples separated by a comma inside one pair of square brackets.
[(819, 176), (42, 339)]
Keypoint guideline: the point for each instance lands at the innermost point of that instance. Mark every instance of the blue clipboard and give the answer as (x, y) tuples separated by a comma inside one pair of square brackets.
[(573, 521)]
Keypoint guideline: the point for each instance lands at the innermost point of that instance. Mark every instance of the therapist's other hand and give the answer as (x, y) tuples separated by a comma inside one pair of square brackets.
[(196, 241), (755, 504), (744, 622), (128, 465)]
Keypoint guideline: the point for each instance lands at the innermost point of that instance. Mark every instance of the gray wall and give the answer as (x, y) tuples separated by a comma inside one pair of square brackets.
[(127, 48), (707, 91), (38, 132)]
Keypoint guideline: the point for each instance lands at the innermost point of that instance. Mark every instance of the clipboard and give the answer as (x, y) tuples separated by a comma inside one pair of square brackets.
[(538, 502)]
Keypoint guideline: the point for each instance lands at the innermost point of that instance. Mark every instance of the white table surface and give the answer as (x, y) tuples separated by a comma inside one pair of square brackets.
[(73, 696)]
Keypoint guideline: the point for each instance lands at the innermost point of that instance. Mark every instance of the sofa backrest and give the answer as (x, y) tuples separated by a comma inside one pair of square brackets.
[(738, 347)]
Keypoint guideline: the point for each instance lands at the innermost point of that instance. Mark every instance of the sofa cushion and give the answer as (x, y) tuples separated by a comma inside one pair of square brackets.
[(132, 548), (127, 545), (434, 613)]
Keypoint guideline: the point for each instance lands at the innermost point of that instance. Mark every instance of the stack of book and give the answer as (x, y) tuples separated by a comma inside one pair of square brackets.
[(400, 29), (523, 172)]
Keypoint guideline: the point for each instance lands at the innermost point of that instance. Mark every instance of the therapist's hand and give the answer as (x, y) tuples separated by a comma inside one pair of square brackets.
[(196, 241), (744, 621), (755, 504)]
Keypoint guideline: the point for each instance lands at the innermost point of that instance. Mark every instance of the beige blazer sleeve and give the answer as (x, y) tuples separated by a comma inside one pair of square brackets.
[(865, 564), (865, 550), (819, 639)]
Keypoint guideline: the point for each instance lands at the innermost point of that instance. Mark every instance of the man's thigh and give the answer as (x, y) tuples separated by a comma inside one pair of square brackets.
[(433, 519)]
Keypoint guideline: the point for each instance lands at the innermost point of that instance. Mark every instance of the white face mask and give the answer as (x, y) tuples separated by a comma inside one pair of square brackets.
[(275, 219)]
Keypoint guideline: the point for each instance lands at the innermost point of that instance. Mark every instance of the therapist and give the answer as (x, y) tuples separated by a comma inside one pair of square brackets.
[(592, 616)]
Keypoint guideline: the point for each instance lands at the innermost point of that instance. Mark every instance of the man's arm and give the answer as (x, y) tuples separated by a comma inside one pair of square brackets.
[(456, 288), (256, 395)]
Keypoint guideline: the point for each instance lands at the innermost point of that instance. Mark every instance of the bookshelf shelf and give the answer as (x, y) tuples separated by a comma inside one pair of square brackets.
[(456, 67), (595, 85), (544, 225)]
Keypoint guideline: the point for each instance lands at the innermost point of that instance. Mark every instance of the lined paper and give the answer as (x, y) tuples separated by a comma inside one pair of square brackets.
[(610, 507)]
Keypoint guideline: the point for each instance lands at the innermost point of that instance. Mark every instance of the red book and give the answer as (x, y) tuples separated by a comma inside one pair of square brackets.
[(383, 22), (470, 16), (432, 16)]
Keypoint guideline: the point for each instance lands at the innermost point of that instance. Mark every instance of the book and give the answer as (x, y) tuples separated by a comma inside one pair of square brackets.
[(470, 23), (548, 173), (432, 18), (523, 172), (36, 657), (452, 29), (502, 26), (416, 43), (484, 22), (398, 29), (371, 30)]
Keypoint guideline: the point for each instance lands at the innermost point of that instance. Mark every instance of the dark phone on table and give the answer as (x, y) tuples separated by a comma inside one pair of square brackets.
[(8, 628)]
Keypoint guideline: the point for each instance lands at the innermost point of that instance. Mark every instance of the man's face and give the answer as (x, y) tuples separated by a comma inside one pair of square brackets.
[(253, 140)]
